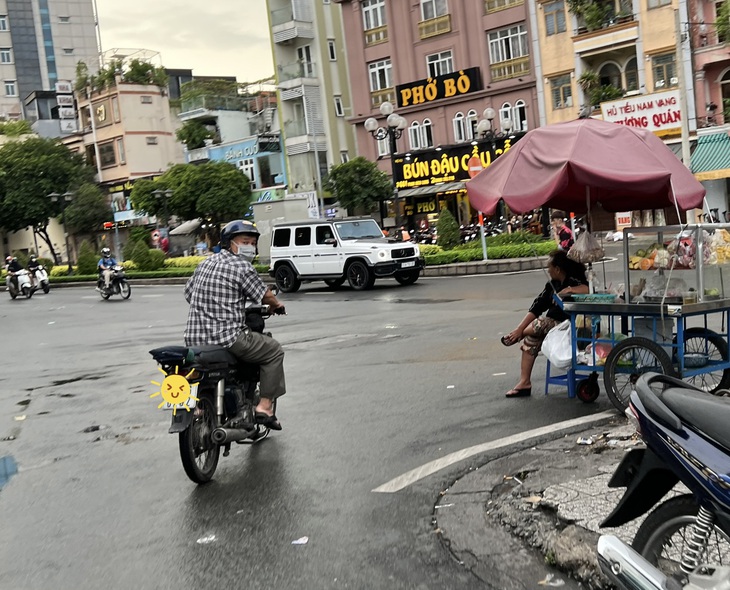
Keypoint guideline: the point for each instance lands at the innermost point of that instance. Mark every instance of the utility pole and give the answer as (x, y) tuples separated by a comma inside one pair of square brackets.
[(683, 114)]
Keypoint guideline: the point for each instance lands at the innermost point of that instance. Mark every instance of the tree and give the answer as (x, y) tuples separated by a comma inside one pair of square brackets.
[(722, 22), (88, 210), (29, 171), (141, 256), (193, 134), (214, 191), (88, 260), (358, 185), (447, 230)]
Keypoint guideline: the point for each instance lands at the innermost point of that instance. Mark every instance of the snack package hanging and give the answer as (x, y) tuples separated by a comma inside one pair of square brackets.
[(586, 249)]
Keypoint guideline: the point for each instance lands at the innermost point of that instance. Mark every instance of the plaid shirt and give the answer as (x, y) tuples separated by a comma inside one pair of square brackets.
[(216, 293)]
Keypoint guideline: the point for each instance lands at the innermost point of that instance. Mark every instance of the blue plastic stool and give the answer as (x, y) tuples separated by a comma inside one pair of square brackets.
[(567, 379)]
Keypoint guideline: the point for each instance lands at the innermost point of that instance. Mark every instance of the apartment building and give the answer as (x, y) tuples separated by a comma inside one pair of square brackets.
[(311, 59), (460, 75), (41, 42)]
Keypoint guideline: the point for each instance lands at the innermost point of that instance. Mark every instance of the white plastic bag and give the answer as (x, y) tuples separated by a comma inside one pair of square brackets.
[(557, 347)]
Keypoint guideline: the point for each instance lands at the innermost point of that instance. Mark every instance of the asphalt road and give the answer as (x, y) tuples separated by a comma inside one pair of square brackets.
[(379, 383)]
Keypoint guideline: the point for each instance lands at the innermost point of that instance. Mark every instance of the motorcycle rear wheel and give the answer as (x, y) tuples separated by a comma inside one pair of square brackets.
[(198, 452), (664, 536)]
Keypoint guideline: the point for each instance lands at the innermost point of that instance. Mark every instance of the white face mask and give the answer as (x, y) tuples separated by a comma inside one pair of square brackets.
[(246, 251)]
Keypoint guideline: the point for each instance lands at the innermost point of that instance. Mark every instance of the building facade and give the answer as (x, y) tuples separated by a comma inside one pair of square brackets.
[(41, 41), (311, 62), (444, 65)]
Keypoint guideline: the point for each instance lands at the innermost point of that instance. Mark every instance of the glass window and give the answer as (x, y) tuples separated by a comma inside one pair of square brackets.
[(381, 75), (323, 232), (373, 14), (332, 49), (282, 237), (107, 155), (561, 92), (248, 167), (339, 109), (115, 109), (120, 150), (439, 64), (505, 112), (459, 128), (632, 75), (426, 134), (383, 148), (414, 135), (10, 88), (665, 72), (3, 22), (554, 17), (303, 236), (519, 116), (68, 50), (64, 19), (433, 8), (507, 44), (658, 3), (344, 157), (610, 74), (6, 55), (471, 124)]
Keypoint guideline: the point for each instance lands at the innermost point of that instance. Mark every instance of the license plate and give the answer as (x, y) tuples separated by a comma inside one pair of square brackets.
[(408, 264), (190, 402)]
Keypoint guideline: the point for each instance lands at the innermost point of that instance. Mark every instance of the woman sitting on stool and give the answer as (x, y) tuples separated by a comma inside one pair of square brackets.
[(567, 277)]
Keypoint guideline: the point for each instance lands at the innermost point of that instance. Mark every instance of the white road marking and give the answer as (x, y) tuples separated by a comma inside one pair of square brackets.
[(411, 477), (498, 374), (156, 295)]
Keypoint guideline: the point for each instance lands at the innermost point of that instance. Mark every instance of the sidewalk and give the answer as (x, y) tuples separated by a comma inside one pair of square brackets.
[(529, 519)]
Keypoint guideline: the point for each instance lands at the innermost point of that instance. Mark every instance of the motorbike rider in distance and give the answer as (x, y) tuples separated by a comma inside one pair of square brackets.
[(12, 266), (105, 266), (217, 293), (33, 264)]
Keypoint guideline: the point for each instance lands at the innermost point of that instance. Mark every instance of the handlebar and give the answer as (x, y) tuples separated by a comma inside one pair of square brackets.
[(265, 310)]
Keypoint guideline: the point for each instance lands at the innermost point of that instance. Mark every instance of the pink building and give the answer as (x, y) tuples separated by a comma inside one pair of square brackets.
[(441, 64)]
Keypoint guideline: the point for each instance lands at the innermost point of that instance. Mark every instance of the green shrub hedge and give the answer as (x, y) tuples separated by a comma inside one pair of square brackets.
[(493, 253)]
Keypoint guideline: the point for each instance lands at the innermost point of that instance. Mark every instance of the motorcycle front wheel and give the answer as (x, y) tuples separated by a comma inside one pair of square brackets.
[(198, 452), (666, 533), (46, 288), (125, 290)]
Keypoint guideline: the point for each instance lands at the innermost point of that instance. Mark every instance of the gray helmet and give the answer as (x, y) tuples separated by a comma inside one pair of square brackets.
[(106, 252), (237, 228)]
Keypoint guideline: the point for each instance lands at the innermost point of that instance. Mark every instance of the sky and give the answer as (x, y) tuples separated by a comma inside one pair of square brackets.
[(212, 37)]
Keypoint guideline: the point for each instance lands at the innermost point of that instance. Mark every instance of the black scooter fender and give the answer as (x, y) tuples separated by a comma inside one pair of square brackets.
[(646, 479), (180, 421)]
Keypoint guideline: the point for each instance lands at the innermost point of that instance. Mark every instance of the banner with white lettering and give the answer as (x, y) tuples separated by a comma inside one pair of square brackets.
[(658, 112)]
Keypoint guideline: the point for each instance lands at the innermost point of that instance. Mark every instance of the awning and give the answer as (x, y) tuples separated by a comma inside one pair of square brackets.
[(186, 228), (432, 189), (711, 159), (676, 147)]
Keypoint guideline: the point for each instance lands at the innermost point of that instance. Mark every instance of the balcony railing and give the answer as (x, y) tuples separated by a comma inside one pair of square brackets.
[(296, 70), (378, 97), (376, 35), (286, 15), (214, 103), (295, 129), (512, 68), (434, 26), (716, 120), (495, 5)]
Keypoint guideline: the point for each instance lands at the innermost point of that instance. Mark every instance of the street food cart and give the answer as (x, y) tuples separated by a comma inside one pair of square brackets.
[(575, 164)]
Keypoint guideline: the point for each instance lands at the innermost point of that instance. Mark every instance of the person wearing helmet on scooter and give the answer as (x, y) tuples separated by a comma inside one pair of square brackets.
[(33, 265), (105, 267), (11, 267), (217, 293)]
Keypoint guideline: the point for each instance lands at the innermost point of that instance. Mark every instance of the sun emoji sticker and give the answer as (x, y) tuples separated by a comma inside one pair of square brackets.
[(176, 391)]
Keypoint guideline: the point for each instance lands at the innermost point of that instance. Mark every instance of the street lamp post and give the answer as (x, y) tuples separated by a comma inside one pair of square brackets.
[(485, 127), (64, 200), (393, 130)]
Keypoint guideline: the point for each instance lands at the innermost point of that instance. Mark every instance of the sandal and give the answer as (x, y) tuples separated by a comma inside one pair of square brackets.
[(506, 341), (524, 392), (270, 422)]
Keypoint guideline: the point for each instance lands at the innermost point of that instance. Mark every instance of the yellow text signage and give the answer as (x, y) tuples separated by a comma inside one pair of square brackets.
[(446, 86)]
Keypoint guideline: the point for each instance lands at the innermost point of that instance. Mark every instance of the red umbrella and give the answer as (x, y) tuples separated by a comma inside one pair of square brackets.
[(569, 165)]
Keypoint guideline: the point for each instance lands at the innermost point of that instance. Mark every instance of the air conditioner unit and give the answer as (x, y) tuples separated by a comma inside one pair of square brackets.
[(151, 140), (659, 84), (633, 93), (569, 101)]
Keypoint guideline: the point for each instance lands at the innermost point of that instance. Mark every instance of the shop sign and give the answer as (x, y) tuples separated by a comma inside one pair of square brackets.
[(446, 86), (452, 164), (623, 220), (64, 88), (101, 113), (65, 100), (268, 194), (235, 152), (658, 112)]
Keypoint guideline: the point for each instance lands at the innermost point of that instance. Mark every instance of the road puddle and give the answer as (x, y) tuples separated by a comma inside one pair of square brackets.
[(8, 468)]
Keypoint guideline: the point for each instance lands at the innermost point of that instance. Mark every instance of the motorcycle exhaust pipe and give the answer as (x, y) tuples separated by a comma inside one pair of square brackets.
[(222, 436), (626, 569)]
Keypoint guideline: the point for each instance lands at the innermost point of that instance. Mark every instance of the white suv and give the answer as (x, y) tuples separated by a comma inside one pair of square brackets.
[(335, 251)]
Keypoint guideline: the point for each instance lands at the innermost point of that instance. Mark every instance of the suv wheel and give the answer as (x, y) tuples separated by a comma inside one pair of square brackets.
[(286, 279), (360, 276), (407, 277)]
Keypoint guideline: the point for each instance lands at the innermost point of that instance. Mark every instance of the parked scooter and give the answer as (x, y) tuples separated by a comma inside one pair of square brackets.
[(23, 286), (40, 276), (688, 441)]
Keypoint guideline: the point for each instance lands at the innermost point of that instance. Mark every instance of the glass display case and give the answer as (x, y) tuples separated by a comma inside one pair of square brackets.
[(677, 264)]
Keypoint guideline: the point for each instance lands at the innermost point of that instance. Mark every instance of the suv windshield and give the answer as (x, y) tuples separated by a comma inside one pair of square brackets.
[(355, 230)]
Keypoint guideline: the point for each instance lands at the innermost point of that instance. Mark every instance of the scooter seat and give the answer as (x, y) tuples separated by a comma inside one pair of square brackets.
[(213, 357), (171, 354), (704, 411)]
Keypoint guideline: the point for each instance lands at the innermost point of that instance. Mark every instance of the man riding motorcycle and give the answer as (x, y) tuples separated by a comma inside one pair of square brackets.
[(217, 293), (33, 264), (105, 266), (12, 266)]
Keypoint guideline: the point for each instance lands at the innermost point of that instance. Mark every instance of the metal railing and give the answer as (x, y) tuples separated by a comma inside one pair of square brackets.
[(295, 70), (434, 26), (719, 118), (512, 68), (286, 15), (376, 35), (378, 97), (495, 5), (214, 103), (295, 128)]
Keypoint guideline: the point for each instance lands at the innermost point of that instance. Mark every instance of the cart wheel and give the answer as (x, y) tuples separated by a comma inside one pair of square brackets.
[(628, 360), (587, 390), (700, 340)]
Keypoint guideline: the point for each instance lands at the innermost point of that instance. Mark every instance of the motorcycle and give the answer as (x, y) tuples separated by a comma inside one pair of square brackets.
[(118, 285), (40, 277), (23, 285), (202, 416), (687, 440)]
